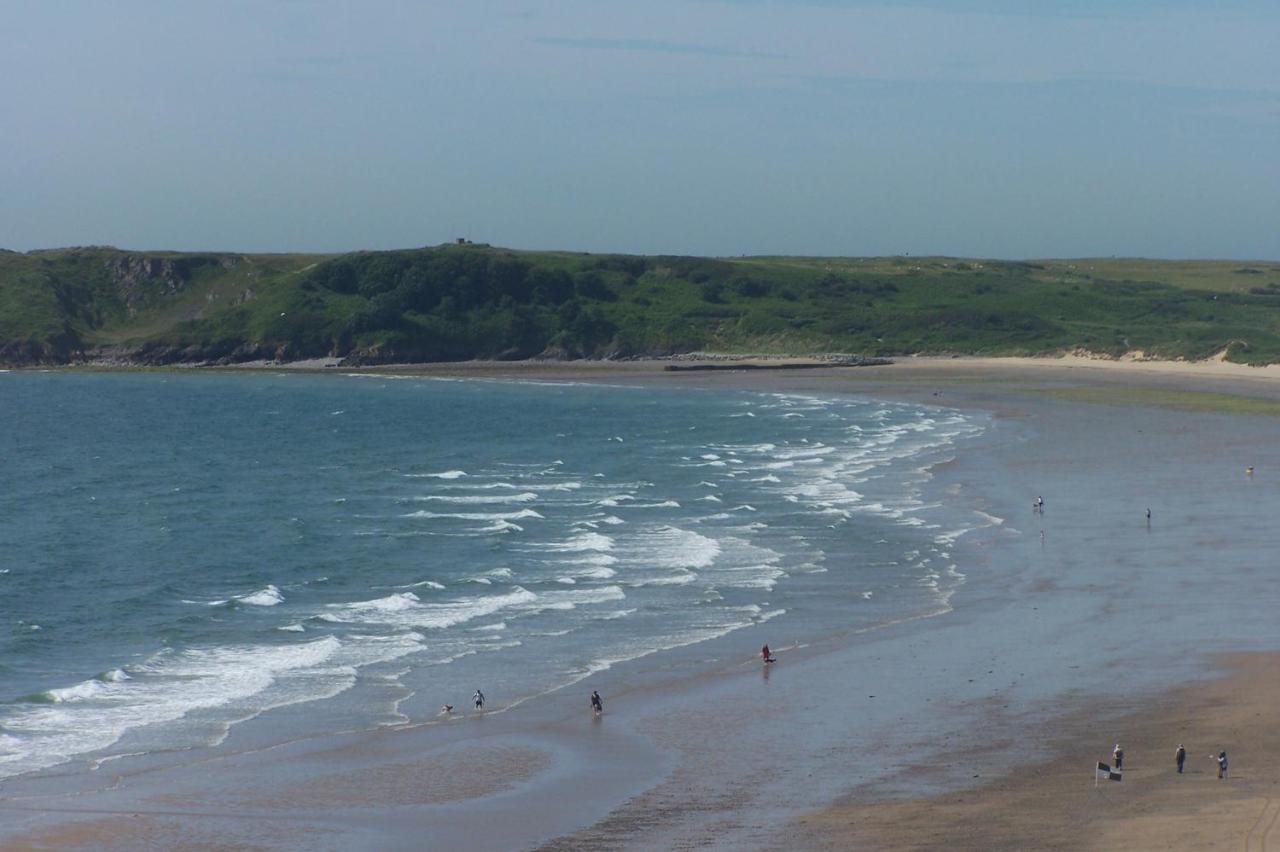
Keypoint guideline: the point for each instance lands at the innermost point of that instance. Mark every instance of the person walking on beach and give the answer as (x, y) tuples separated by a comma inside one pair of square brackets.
[(1222, 764), (1117, 755), (765, 654), (478, 698), (1180, 757), (597, 705)]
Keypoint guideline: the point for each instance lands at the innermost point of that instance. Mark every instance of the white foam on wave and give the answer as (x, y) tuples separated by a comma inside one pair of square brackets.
[(669, 547), (91, 715), (599, 574), (684, 578), (501, 527), (447, 474), (574, 598), (591, 558), (568, 485), (477, 499), (587, 541), (477, 516), (270, 596), (613, 615), (406, 610)]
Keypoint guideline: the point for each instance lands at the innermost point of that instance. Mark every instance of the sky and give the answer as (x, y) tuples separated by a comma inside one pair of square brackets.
[(981, 128)]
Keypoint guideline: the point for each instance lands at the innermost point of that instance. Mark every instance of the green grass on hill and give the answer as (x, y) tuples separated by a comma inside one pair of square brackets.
[(468, 301)]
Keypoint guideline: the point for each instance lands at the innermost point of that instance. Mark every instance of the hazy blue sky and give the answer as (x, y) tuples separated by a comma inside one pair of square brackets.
[(1011, 128)]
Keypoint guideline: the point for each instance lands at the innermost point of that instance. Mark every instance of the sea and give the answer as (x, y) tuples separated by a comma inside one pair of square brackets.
[(185, 556)]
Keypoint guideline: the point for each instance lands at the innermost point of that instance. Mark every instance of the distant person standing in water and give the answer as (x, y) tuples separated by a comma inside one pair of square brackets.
[(1148, 516), (478, 698), (1180, 757), (597, 704), (765, 654)]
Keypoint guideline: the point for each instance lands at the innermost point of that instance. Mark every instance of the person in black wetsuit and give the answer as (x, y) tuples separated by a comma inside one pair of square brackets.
[(597, 704)]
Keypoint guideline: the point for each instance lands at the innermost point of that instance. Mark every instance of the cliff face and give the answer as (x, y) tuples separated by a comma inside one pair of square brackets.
[(138, 278), (63, 306)]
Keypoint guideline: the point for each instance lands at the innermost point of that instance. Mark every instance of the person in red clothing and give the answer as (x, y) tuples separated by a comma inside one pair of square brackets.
[(764, 653)]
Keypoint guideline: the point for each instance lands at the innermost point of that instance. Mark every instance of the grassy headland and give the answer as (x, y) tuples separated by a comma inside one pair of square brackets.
[(458, 302)]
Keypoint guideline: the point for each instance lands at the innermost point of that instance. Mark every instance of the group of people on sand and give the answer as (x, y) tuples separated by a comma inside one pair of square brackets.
[(1179, 759), (597, 703)]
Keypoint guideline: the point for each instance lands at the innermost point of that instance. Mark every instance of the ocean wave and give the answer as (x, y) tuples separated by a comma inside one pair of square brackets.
[(447, 474), (270, 596), (669, 547), (93, 714), (681, 579), (613, 615), (477, 499), (592, 558), (406, 610), (589, 541), (477, 516), (599, 574), (571, 599), (501, 527)]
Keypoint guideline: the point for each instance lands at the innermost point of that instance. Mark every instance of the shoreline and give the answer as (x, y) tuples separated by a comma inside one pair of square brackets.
[(1017, 392)]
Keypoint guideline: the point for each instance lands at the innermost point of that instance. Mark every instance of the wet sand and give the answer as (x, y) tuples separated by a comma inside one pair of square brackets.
[(1057, 647), (1056, 804)]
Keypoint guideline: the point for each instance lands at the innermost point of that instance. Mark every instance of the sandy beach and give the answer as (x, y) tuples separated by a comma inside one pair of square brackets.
[(1076, 629), (1054, 804)]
